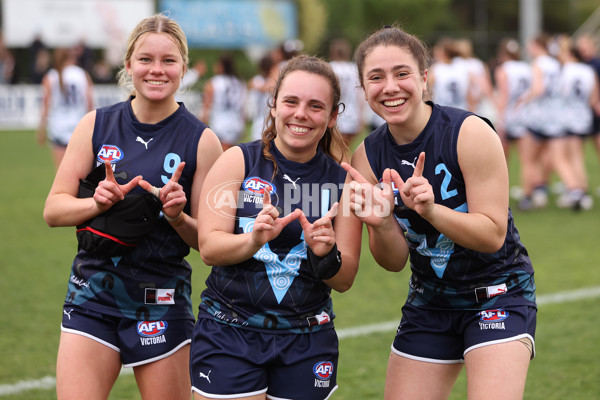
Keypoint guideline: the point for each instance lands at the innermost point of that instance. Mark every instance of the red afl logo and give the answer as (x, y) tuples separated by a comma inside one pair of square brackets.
[(109, 152), (323, 370), (256, 185), (493, 315), (151, 328)]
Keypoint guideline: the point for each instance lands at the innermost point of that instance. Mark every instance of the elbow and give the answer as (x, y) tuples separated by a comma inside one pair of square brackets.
[(50, 220), (494, 242), (207, 257), (493, 245), (342, 286)]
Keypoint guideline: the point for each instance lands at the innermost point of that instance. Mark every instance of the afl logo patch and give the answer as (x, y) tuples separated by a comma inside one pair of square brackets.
[(151, 328), (256, 185), (323, 370), (493, 315), (109, 152)]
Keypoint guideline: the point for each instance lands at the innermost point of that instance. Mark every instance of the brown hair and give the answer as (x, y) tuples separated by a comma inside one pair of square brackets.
[(332, 142), (391, 36), (158, 23), (62, 58)]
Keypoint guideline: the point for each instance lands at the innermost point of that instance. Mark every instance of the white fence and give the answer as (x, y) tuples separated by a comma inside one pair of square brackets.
[(20, 105)]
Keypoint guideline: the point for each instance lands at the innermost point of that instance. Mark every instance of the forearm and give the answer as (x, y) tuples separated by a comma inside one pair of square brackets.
[(223, 248), (66, 210), (474, 231), (388, 246), (187, 228)]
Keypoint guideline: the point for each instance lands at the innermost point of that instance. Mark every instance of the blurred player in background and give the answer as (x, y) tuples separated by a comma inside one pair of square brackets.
[(67, 95), (223, 100), (350, 120)]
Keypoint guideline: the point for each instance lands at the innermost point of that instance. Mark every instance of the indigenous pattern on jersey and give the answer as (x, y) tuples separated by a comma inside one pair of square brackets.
[(444, 274), (275, 289), (68, 104), (152, 282)]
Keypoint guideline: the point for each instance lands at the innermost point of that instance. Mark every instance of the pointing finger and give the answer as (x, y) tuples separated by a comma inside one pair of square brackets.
[(331, 214), (303, 220), (178, 172), (397, 179), (353, 173), (149, 188), (266, 197), (296, 214), (109, 172), (420, 165)]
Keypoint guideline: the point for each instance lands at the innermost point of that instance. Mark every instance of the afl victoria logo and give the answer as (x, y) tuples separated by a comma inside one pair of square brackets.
[(256, 185), (323, 370), (493, 315), (109, 152), (151, 328)]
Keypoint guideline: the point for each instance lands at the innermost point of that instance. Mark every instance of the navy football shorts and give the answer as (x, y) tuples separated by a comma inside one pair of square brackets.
[(445, 336), (139, 342), (229, 362)]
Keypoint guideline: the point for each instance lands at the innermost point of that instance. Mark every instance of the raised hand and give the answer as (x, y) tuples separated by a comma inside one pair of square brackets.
[(371, 204), (108, 191), (171, 195), (416, 192), (319, 236), (268, 225)]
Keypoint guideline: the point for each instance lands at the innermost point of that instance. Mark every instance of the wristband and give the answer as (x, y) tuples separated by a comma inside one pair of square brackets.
[(175, 221), (325, 267)]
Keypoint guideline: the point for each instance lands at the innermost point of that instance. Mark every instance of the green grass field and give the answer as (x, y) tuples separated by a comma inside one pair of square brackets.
[(35, 264)]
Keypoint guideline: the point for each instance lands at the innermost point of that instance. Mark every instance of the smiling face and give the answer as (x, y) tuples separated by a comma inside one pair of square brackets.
[(393, 85), (156, 67), (302, 113)]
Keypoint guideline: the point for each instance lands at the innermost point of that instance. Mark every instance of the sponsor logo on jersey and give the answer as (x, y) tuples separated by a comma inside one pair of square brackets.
[(492, 319), (109, 152), (256, 185), (151, 328), (159, 296)]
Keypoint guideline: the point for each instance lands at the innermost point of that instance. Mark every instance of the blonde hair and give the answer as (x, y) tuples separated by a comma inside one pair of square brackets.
[(158, 23)]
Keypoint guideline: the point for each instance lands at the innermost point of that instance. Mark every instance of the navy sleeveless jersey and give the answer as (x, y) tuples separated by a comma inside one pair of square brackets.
[(444, 274), (152, 281), (275, 289)]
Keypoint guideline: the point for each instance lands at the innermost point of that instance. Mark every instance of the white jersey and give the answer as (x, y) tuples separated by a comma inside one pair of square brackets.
[(544, 112), (451, 84), (518, 80), (257, 107), (350, 120), (69, 106), (227, 111), (577, 82)]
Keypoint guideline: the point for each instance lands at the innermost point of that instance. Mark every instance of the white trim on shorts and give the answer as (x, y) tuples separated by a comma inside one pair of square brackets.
[(227, 396), (505, 340), (87, 335), (429, 360), (160, 357), (269, 397)]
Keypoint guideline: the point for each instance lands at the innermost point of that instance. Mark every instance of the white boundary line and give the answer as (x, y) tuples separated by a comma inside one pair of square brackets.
[(49, 382)]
